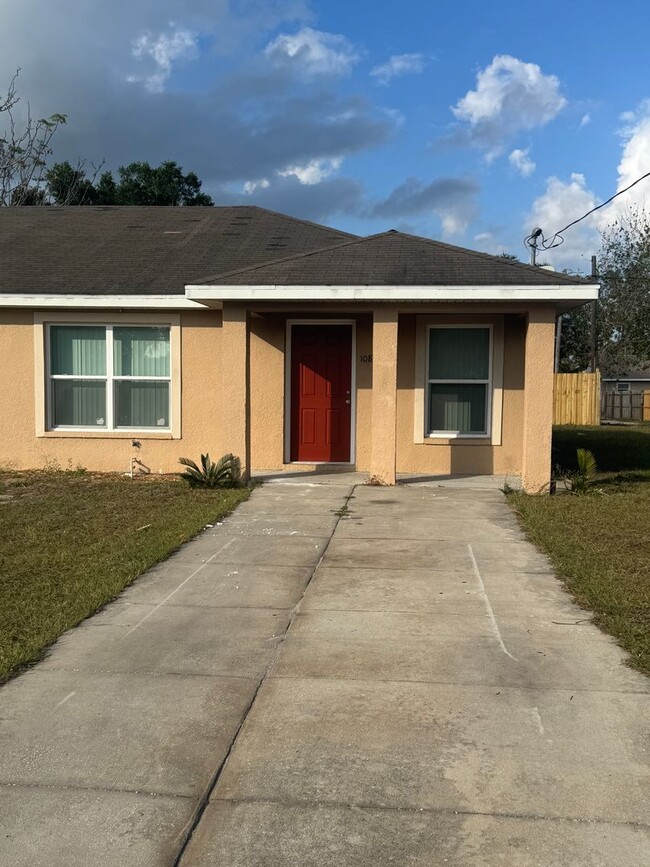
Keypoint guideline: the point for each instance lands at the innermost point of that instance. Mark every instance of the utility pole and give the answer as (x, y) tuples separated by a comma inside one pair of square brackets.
[(532, 243), (594, 327)]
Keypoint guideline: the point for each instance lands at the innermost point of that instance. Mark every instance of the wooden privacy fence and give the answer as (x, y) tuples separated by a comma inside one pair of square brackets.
[(626, 406), (576, 398)]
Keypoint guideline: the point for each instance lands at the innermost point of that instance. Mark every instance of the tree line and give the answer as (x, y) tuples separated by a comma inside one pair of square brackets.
[(139, 183), (623, 309), (27, 178)]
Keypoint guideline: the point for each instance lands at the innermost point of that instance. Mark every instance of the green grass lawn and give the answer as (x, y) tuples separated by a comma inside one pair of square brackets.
[(70, 542), (617, 448), (600, 543)]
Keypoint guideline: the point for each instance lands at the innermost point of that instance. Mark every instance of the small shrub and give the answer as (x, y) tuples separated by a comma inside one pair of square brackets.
[(225, 473), (581, 481)]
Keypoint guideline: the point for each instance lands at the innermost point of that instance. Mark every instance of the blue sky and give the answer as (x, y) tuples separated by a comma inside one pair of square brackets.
[(465, 121)]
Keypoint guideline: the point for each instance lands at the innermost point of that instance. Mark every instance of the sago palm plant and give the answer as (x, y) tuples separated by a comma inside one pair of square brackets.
[(581, 482), (225, 473)]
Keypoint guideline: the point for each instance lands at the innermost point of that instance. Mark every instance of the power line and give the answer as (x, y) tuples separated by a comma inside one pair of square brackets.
[(549, 245)]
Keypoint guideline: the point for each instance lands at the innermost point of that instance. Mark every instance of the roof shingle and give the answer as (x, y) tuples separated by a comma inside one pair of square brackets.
[(142, 250), (392, 259)]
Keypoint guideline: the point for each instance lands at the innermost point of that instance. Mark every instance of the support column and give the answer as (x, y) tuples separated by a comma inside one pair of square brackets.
[(384, 394), (538, 399), (235, 384)]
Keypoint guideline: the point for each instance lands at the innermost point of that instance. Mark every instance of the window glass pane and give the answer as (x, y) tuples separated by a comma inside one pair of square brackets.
[(78, 350), (78, 402), (461, 408), (141, 404), (140, 351), (459, 353)]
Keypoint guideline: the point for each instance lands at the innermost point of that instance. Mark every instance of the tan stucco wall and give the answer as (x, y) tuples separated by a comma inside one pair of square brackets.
[(214, 406), (442, 457), (538, 397), (384, 394), (201, 395), (267, 386)]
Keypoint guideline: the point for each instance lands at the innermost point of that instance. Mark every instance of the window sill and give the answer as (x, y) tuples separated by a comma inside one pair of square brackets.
[(107, 435), (466, 440)]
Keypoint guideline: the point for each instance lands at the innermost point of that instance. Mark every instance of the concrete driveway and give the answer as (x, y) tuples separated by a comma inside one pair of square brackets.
[(337, 675)]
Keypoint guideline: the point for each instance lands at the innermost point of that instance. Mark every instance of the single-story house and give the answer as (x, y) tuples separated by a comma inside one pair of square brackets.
[(632, 382), (626, 397), (166, 332)]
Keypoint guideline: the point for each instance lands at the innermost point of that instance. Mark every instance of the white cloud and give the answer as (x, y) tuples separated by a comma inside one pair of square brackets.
[(510, 96), (238, 118), (585, 120), (635, 161), (398, 64), (165, 48), (252, 186), (562, 202), (312, 172), (490, 242), (521, 162), (313, 52)]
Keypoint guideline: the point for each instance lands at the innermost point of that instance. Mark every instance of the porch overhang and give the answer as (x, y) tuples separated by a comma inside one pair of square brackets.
[(563, 296)]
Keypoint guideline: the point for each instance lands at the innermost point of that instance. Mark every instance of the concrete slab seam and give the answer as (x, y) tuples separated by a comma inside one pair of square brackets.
[(192, 824), (432, 811), (13, 784), (148, 674), (471, 685)]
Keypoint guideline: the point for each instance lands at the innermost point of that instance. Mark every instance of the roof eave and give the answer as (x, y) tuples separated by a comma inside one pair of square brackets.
[(70, 301), (562, 293)]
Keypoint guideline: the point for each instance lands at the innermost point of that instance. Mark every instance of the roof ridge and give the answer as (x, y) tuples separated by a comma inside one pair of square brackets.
[(296, 219), (490, 257), (354, 240)]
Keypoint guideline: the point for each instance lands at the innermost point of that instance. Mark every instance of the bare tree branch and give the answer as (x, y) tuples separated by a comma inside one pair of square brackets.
[(24, 148)]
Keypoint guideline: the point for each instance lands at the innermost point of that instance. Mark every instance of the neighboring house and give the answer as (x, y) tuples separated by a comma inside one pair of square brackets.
[(633, 382), (622, 398), (162, 332)]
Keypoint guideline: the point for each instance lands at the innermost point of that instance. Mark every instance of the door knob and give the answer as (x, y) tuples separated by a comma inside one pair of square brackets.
[(348, 401)]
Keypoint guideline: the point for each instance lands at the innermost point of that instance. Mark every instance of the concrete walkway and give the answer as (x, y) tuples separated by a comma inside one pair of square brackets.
[(337, 675)]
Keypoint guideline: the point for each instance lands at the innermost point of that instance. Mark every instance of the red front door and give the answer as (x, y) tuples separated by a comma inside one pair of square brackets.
[(321, 393)]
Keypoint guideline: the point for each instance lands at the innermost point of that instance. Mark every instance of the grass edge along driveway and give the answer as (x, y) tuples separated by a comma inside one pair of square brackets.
[(600, 543), (71, 542)]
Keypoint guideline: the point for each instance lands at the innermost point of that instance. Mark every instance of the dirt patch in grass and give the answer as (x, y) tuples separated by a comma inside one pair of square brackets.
[(600, 546), (70, 542)]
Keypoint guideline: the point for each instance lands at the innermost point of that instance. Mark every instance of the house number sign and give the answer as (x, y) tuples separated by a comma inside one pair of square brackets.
[(365, 359)]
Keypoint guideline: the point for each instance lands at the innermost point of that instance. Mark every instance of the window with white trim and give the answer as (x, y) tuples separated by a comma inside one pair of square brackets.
[(459, 381), (109, 377)]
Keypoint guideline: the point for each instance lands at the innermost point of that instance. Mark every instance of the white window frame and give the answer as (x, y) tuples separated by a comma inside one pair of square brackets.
[(110, 379), (489, 383)]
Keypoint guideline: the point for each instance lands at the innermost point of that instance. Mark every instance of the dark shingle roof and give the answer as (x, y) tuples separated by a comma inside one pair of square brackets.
[(390, 259), (641, 374), (142, 250)]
